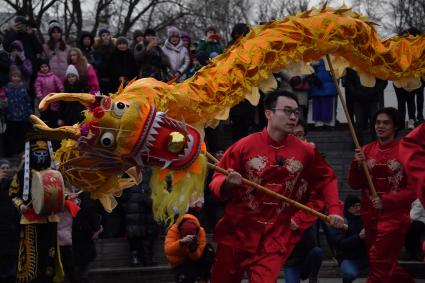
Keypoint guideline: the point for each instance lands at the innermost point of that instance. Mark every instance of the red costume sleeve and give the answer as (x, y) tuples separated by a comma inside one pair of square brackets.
[(324, 181), (323, 191), (230, 160), (412, 155), (304, 219)]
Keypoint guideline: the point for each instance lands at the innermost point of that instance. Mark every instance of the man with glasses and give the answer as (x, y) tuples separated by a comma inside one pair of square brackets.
[(254, 235)]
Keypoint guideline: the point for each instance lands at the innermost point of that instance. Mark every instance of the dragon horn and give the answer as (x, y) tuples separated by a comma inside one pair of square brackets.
[(84, 98), (55, 134)]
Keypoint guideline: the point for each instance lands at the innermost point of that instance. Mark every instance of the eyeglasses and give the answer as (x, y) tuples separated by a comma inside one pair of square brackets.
[(288, 111)]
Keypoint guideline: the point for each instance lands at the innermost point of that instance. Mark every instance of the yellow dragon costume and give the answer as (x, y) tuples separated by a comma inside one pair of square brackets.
[(159, 124)]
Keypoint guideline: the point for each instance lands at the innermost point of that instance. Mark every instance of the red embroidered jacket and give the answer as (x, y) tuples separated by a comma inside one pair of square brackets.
[(293, 168), (388, 176)]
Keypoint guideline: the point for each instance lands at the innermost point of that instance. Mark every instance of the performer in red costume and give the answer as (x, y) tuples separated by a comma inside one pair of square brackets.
[(254, 232), (412, 155), (386, 218)]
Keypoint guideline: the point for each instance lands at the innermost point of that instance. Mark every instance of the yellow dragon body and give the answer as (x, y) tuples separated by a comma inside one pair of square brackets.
[(154, 123)]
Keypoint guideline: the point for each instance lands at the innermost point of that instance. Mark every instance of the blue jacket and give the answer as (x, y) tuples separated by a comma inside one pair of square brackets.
[(322, 84), (18, 103)]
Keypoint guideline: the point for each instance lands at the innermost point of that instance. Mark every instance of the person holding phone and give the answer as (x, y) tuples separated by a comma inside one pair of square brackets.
[(187, 251), (211, 43)]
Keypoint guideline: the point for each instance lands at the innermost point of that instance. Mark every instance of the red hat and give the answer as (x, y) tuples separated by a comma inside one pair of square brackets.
[(188, 227)]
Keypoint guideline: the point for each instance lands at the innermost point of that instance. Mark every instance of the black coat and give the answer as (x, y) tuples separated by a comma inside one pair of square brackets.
[(137, 204), (101, 55), (32, 46), (9, 222), (84, 225), (4, 68), (121, 64), (71, 111), (360, 93), (152, 63), (348, 244)]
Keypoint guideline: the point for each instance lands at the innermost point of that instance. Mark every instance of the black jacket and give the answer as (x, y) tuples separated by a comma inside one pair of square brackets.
[(137, 204), (361, 93), (88, 51), (121, 64), (4, 68), (152, 63), (71, 111), (348, 244), (84, 225), (32, 46), (9, 222)]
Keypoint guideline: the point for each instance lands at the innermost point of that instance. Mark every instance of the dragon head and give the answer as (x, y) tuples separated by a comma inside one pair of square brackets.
[(123, 131)]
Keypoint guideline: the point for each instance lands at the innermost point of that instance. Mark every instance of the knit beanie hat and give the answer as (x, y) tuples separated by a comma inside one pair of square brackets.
[(173, 31), (188, 227), (17, 44), (102, 31), (71, 70), (150, 31), (21, 23), (121, 40), (137, 33), (4, 161), (185, 34), (54, 24)]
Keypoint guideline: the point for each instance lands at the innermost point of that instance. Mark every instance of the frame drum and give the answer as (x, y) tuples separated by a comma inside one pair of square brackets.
[(47, 192)]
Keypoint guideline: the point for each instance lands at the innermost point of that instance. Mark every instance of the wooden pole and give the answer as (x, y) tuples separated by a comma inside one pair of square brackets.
[(272, 193), (353, 132)]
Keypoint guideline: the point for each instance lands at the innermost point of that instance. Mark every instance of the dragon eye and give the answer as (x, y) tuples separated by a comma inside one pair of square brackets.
[(107, 139), (119, 108)]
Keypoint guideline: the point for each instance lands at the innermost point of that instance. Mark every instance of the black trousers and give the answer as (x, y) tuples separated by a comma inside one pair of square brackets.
[(404, 97), (363, 112), (414, 238), (67, 258), (193, 271)]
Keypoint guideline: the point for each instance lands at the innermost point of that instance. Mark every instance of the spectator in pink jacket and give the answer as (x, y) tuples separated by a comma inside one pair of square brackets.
[(47, 82), (87, 74)]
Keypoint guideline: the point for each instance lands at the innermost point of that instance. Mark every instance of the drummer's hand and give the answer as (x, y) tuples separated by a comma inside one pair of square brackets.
[(23, 208), (336, 221), (359, 155), (377, 203), (294, 225), (234, 178)]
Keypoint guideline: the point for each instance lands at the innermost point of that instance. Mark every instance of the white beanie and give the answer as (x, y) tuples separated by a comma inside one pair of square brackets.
[(173, 31), (71, 70)]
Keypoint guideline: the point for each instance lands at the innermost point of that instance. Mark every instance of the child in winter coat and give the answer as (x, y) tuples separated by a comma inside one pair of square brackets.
[(17, 113), (71, 111), (47, 82)]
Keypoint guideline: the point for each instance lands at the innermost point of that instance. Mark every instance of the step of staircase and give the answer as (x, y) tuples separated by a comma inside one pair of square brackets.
[(162, 273)]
